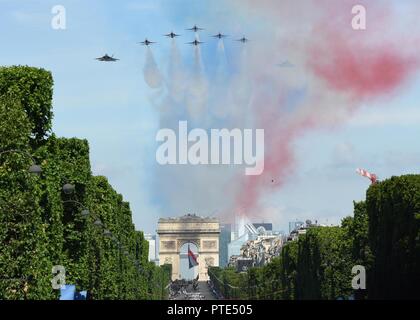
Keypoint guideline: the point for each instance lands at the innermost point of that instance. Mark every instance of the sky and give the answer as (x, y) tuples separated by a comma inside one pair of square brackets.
[(322, 118)]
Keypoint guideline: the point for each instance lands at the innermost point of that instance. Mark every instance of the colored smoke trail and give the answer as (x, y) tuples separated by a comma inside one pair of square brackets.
[(152, 75), (343, 67), (219, 90), (327, 80), (177, 78), (197, 93)]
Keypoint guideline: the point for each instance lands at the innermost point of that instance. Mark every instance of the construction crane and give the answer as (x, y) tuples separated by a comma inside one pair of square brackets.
[(371, 176)]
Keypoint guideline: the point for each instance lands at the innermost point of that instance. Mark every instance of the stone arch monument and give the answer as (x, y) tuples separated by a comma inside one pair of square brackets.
[(175, 232)]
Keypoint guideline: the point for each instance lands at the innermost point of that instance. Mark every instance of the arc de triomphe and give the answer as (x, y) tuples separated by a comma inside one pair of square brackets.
[(175, 232)]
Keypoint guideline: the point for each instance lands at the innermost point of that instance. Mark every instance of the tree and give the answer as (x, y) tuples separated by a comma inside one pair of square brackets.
[(393, 207), (41, 226), (33, 89)]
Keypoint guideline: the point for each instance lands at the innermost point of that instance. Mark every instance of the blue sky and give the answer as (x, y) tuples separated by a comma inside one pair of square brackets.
[(109, 104)]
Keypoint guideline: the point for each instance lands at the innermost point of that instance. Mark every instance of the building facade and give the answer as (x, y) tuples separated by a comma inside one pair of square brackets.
[(224, 240), (202, 232), (153, 252), (294, 225)]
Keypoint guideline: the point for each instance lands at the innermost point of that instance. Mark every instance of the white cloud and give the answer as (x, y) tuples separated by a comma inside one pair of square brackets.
[(29, 17), (386, 117)]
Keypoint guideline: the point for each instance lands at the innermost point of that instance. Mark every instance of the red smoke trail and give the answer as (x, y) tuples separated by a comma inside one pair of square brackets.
[(366, 63), (361, 65), (378, 72), (360, 69)]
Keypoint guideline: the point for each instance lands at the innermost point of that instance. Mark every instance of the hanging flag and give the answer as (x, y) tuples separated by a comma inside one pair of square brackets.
[(192, 259)]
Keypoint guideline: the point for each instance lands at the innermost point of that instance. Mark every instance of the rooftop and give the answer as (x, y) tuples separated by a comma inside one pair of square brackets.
[(187, 218)]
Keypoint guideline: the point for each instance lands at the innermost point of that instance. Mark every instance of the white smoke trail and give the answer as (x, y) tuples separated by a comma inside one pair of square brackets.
[(176, 74), (151, 72), (198, 91), (219, 90)]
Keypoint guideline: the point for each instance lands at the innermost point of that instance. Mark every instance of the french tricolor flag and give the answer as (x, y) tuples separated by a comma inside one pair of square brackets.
[(192, 259)]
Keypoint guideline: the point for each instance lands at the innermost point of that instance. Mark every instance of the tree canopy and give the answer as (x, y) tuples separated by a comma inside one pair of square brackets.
[(41, 226)]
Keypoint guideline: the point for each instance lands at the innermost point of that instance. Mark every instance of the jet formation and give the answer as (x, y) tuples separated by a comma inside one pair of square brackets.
[(147, 42), (243, 40), (195, 29), (172, 35), (107, 58), (195, 42), (220, 36)]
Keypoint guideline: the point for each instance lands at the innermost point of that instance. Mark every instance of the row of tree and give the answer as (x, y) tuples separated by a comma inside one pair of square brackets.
[(383, 236), (89, 231)]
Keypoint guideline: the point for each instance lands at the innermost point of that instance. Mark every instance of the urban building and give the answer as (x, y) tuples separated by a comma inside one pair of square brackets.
[(225, 239), (257, 244), (263, 249), (234, 248), (153, 255), (266, 226), (301, 229), (294, 225)]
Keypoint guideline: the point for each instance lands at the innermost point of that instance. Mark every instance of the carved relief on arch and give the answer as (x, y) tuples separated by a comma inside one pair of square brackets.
[(196, 242), (168, 245), (209, 244), (209, 261)]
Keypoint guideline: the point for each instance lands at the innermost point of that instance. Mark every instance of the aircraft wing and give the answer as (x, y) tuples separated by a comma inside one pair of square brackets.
[(195, 28)]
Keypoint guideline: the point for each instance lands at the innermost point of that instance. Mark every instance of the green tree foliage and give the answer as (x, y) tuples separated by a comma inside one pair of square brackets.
[(33, 88), (383, 236), (231, 284), (393, 207), (288, 270), (356, 237), (41, 226), (324, 264)]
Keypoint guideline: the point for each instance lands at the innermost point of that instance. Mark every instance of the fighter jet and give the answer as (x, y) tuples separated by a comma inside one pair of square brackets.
[(147, 42), (107, 58), (285, 64), (172, 35), (220, 36), (195, 29), (243, 40), (195, 42)]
